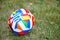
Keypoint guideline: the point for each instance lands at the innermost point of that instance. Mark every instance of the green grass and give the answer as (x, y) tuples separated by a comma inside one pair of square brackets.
[(47, 19)]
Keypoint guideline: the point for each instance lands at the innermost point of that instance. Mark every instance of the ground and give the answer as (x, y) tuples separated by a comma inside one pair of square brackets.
[(47, 19)]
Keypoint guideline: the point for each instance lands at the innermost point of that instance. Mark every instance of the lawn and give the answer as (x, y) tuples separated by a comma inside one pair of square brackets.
[(47, 19)]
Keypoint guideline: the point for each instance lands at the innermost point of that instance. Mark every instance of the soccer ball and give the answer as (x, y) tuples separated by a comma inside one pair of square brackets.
[(21, 21)]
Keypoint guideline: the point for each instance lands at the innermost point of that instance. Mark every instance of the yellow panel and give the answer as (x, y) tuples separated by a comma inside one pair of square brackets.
[(25, 17), (14, 12)]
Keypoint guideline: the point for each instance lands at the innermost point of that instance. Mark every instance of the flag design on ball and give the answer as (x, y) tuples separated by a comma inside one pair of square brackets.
[(21, 21)]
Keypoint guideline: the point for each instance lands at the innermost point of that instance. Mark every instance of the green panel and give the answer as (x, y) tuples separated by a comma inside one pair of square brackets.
[(25, 23)]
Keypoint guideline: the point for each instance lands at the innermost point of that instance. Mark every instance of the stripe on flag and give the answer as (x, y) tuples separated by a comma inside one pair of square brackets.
[(19, 27)]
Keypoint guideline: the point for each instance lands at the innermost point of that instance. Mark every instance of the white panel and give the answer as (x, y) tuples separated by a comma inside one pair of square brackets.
[(24, 12)]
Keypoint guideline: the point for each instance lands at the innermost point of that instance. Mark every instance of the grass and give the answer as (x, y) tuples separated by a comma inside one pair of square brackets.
[(47, 19)]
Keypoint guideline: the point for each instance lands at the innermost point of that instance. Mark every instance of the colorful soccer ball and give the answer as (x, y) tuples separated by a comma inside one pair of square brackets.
[(21, 21)]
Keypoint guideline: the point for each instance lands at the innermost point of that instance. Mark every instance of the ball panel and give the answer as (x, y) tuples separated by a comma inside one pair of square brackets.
[(15, 32), (19, 27), (28, 24), (32, 20), (25, 23), (24, 12), (22, 33), (26, 17), (19, 11), (26, 30), (10, 21)]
